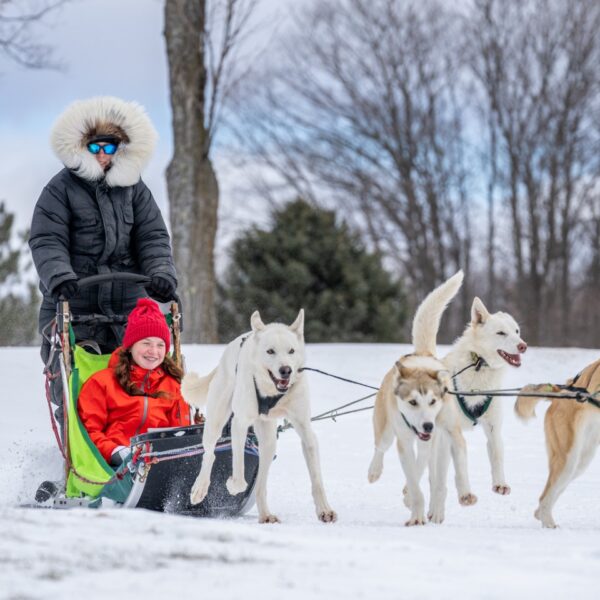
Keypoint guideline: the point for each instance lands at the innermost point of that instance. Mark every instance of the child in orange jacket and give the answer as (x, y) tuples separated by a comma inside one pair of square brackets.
[(140, 389)]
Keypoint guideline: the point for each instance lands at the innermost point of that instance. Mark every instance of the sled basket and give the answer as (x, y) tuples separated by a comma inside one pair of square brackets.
[(163, 464), (168, 463)]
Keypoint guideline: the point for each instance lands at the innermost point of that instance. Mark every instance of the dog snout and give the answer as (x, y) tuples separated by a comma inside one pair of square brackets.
[(285, 372), (427, 427), (522, 347)]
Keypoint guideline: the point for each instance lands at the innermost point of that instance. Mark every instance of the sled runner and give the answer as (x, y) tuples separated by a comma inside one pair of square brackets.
[(162, 465)]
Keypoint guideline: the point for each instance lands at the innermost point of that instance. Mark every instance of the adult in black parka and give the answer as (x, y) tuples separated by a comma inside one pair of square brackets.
[(97, 216)]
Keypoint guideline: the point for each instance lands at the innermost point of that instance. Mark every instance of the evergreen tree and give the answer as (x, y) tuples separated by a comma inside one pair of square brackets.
[(308, 260), (18, 301), (9, 258)]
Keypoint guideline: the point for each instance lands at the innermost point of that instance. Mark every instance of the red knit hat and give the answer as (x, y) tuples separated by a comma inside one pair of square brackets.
[(146, 320)]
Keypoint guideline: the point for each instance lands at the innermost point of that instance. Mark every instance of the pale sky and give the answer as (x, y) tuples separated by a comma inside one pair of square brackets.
[(108, 47)]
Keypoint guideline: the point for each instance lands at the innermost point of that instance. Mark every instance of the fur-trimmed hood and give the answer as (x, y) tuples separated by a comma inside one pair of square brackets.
[(105, 115)]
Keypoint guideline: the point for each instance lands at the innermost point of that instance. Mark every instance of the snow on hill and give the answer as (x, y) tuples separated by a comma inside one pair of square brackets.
[(495, 549)]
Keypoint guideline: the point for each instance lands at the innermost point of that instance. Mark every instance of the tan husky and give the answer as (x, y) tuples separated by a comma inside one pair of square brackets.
[(411, 396), (572, 435)]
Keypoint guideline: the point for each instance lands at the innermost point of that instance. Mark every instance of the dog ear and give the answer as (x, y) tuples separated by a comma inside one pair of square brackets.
[(444, 378), (256, 322), (403, 371), (298, 325), (479, 313)]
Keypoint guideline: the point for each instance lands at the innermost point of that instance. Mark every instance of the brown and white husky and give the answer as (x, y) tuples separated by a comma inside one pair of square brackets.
[(572, 435), (411, 396)]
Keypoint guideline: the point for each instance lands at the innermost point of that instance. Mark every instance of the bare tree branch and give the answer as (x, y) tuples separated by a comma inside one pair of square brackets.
[(16, 23), (363, 110), (537, 63)]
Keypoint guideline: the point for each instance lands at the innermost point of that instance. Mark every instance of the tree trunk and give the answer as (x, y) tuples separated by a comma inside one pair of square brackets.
[(191, 181)]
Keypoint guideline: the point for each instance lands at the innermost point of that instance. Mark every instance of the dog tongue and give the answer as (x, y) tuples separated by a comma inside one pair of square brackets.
[(515, 359), (512, 359)]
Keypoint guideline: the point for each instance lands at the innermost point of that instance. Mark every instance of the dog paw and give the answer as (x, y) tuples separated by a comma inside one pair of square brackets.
[(375, 471), (503, 490), (327, 516), (468, 500), (415, 521), (236, 486), (199, 491), (269, 519), (373, 476), (547, 520), (436, 517)]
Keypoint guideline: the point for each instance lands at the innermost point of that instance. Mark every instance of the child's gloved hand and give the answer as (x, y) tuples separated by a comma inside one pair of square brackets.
[(161, 289)]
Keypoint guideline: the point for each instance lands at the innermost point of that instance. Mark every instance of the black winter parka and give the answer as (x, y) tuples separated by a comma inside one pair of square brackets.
[(83, 228)]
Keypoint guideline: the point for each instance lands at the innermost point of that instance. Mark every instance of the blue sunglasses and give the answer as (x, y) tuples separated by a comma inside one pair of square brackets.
[(107, 148)]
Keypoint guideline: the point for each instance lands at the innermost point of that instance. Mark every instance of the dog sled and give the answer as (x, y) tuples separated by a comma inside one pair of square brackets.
[(162, 464)]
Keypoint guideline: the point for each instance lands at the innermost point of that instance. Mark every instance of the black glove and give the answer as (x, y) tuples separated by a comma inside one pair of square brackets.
[(67, 289), (161, 289)]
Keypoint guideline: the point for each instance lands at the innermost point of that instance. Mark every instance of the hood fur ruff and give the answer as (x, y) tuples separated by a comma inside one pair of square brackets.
[(105, 115)]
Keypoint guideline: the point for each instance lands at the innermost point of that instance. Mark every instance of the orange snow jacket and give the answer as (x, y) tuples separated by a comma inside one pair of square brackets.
[(112, 417)]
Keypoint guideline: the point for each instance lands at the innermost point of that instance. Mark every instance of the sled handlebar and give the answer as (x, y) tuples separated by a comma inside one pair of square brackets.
[(104, 277), (127, 277), (101, 278)]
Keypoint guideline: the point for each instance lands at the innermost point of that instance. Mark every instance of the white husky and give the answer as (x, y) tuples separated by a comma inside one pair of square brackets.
[(411, 397), (259, 379), (489, 343)]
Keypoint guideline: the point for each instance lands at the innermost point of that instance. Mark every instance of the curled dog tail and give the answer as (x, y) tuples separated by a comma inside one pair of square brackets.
[(525, 405), (427, 318), (194, 388)]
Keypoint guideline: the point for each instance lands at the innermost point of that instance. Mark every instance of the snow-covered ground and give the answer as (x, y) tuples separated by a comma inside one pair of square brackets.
[(495, 549)]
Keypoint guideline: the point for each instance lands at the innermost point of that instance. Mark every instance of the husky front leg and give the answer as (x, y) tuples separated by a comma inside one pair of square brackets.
[(236, 484), (415, 495), (310, 449), (438, 476), (384, 436), (220, 410), (495, 450), (266, 432), (459, 456), (423, 454)]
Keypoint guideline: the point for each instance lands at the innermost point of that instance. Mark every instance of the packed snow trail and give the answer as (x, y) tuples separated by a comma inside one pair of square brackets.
[(495, 549)]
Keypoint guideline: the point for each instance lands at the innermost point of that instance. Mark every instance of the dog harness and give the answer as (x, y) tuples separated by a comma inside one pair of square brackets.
[(266, 403), (476, 412), (582, 394)]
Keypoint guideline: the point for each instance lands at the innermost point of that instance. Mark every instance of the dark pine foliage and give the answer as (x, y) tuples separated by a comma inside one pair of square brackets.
[(309, 260), (18, 301)]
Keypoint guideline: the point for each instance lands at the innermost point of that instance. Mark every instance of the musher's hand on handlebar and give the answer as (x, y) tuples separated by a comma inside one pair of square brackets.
[(161, 289), (67, 289)]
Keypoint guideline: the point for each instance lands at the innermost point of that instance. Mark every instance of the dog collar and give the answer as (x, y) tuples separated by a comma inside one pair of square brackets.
[(409, 425), (479, 361), (266, 403)]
